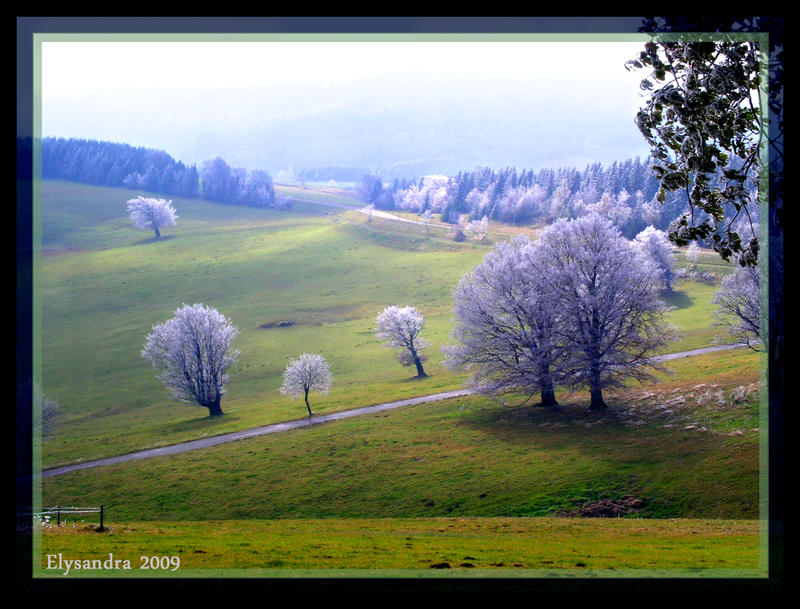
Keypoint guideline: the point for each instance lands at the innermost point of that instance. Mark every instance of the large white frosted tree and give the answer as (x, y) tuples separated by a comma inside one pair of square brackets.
[(606, 292), (192, 353), (505, 326), (738, 305), (399, 328), (656, 246), (151, 214), (309, 372)]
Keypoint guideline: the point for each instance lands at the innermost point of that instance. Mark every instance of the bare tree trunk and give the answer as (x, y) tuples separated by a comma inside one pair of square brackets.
[(549, 397), (418, 364), (597, 402), (214, 408)]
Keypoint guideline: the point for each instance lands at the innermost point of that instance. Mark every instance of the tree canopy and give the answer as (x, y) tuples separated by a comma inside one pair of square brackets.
[(704, 124), (505, 326), (400, 328), (611, 321), (151, 214), (309, 372), (192, 353)]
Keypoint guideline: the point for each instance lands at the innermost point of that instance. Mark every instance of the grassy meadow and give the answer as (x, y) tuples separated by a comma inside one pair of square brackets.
[(403, 489)]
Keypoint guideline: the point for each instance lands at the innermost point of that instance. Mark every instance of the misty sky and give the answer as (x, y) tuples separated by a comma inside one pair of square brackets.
[(189, 97)]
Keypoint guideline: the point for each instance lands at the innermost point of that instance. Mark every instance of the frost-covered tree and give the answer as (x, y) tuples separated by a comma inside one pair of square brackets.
[(258, 189), (738, 305), (192, 353), (655, 245), (309, 372), (693, 254), (425, 217), (399, 328), (151, 214), (431, 193), (505, 326), (479, 227), (611, 320)]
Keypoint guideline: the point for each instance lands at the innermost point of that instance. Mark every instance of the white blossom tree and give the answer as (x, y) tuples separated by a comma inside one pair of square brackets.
[(655, 244), (309, 372), (479, 227), (425, 217), (399, 328), (151, 214), (738, 305), (693, 254), (192, 353), (611, 320), (505, 326)]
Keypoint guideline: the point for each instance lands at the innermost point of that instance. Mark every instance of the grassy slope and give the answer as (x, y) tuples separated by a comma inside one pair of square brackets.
[(686, 447), (256, 266), (104, 285), (469, 546)]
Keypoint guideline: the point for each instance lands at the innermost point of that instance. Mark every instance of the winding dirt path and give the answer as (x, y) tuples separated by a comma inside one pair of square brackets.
[(253, 432)]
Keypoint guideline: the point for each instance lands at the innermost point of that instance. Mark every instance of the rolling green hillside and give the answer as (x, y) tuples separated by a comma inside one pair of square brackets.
[(313, 279), (310, 279), (104, 285)]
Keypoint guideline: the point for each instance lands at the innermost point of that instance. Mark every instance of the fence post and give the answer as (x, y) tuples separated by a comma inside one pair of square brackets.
[(58, 516), (101, 520)]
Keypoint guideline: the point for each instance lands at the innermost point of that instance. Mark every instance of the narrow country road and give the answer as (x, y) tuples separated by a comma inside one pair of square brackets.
[(173, 449)]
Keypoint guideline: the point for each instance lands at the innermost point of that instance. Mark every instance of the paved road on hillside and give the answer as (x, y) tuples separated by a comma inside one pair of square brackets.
[(364, 210), (376, 212), (173, 449)]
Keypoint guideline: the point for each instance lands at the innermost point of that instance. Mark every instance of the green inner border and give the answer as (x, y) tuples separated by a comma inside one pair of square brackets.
[(761, 38)]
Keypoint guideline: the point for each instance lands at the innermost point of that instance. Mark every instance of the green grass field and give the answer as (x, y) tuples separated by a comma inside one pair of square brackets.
[(685, 448), (104, 285), (477, 547)]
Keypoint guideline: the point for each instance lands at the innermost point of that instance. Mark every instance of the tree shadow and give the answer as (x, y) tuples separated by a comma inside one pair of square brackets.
[(200, 423), (416, 379), (154, 240), (676, 298)]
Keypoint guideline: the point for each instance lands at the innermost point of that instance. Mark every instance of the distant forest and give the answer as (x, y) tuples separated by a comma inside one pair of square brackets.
[(122, 165), (625, 192)]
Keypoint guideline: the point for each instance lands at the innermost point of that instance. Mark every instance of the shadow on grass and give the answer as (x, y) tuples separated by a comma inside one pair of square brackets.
[(417, 379), (571, 419), (676, 298), (154, 240), (201, 423)]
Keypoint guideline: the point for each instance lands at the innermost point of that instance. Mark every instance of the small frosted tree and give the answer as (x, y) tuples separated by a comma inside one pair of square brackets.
[(611, 320), (425, 217), (693, 254), (399, 328), (309, 372), (655, 245), (479, 227), (738, 305), (505, 326), (151, 214), (192, 353)]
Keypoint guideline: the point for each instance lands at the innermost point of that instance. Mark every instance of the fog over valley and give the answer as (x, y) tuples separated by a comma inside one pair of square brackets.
[(399, 109)]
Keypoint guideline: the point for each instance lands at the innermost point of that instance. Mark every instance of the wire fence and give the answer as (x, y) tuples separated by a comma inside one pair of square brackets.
[(47, 514)]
